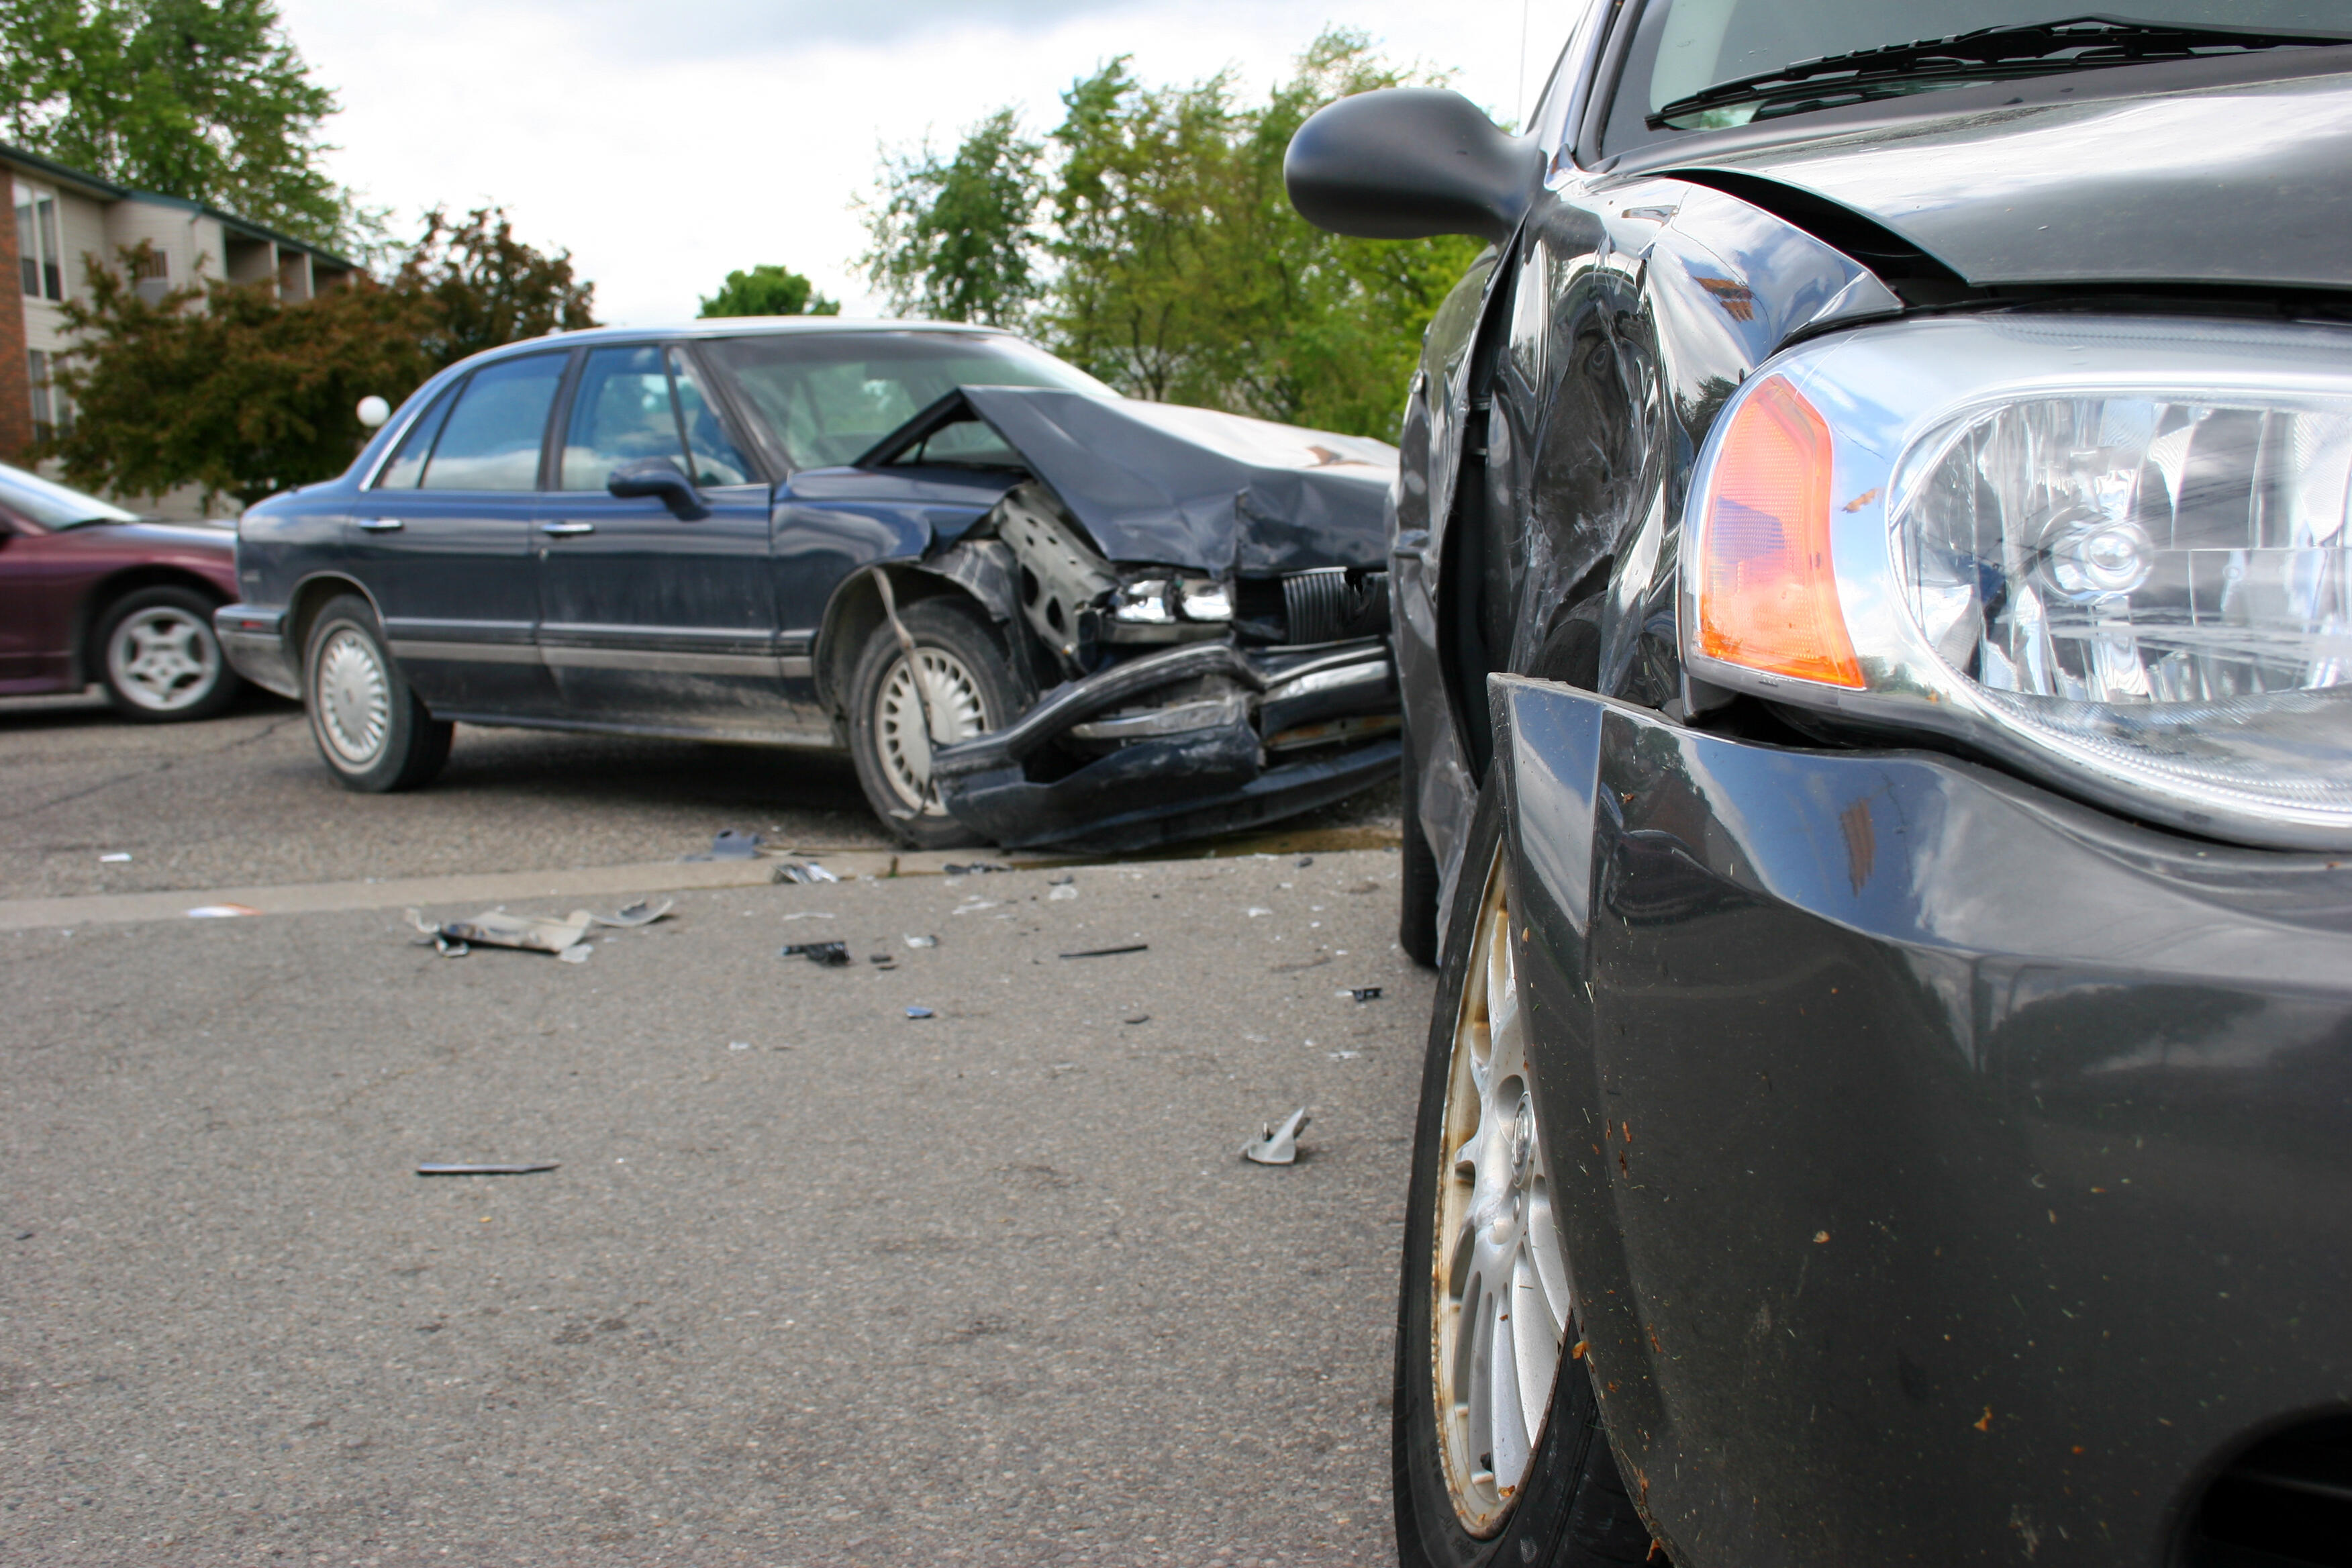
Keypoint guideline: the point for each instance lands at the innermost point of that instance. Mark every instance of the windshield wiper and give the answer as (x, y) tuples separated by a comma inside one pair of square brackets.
[(2080, 43)]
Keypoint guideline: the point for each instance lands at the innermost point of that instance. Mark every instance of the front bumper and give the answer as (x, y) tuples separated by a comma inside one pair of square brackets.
[(1221, 774), (253, 641), (1954, 1173)]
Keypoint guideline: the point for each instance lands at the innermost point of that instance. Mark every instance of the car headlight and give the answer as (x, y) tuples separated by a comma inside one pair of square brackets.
[(1156, 600), (2113, 552)]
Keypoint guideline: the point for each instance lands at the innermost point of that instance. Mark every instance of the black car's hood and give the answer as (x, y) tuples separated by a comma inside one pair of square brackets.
[(1189, 487), (2250, 183)]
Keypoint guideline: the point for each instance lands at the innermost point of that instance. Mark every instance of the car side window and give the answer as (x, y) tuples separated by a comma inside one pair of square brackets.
[(620, 413), (716, 460), (493, 437), (408, 464)]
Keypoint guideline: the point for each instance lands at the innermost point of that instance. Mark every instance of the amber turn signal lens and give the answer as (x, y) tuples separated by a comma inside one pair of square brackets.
[(1768, 599)]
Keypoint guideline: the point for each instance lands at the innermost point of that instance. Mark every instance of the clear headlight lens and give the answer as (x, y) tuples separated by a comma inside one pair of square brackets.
[(2118, 552), (1148, 602), (1204, 601)]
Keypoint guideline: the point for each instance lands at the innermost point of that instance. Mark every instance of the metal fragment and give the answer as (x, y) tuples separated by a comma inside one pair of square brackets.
[(1279, 1146), (525, 1169), (1110, 951)]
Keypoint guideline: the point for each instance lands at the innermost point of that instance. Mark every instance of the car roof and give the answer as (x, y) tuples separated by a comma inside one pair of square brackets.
[(736, 327)]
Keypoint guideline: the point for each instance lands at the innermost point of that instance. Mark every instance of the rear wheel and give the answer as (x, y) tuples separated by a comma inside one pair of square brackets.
[(373, 731), (1499, 1453), (159, 659), (957, 684)]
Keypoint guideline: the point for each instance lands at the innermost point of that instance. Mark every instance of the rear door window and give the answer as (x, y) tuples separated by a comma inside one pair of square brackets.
[(494, 434)]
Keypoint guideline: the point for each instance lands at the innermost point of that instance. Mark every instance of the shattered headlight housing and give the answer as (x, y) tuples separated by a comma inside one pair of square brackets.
[(2114, 553), (1162, 601)]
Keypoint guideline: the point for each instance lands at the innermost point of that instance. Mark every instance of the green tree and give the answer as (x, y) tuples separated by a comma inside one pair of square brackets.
[(224, 385), (1149, 238), (768, 290), (205, 99), (957, 239)]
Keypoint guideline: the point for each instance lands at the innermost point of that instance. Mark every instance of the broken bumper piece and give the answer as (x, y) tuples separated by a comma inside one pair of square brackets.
[(1197, 739)]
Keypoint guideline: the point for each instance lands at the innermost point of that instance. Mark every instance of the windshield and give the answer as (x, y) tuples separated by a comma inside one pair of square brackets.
[(826, 399), (1685, 47), (52, 505)]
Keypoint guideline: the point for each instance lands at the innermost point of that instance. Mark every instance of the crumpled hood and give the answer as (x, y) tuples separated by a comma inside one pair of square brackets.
[(2248, 184), (1190, 488)]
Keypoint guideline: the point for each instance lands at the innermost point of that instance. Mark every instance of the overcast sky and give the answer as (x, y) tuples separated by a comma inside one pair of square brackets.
[(665, 142)]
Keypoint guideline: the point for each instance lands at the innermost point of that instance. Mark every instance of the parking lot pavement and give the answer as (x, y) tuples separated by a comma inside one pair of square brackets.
[(815, 1282), (243, 801)]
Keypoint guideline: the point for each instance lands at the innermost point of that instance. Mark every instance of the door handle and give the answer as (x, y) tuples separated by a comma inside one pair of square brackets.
[(567, 528), (380, 525)]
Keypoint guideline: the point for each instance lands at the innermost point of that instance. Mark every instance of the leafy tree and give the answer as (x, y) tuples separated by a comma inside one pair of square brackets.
[(486, 288), (205, 99), (769, 291), (957, 239), (1151, 239), (224, 385)]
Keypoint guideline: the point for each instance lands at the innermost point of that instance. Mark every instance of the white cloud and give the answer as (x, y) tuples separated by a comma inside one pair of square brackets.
[(666, 145)]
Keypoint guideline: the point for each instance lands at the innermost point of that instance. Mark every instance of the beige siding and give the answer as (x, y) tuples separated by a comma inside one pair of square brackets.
[(168, 229)]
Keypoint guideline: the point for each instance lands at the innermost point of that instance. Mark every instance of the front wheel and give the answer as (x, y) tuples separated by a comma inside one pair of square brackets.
[(1499, 1453), (957, 684), (373, 731), (159, 659)]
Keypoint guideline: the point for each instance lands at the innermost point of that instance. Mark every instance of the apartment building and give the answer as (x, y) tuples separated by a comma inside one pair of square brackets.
[(61, 216)]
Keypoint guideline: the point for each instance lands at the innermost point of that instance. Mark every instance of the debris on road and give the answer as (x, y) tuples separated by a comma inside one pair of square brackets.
[(977, 869), (1279, 1146), (974, 906), (1305, 861), (565, 938), (1140, 1018), (221, 912), (1361, 992), (802, 871), (1063, 880), (921, 1013), (1110, 951), (881, 961), (922, 942), (730, 844), (808, 915), (531, 1169), (1062, 894), (1253, 912), (823, 954), (116, 858)]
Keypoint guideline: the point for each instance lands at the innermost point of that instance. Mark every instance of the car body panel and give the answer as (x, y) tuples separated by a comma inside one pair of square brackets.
[(2113, 189), (55, 582), (1989, 1230)]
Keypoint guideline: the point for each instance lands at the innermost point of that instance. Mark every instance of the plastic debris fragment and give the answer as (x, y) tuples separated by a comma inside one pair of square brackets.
[(1363, 993), (1305, 861), (823, 954), (522, 1169), (921, 1013), (565, 938), (1253, 912), (1110, 951), (1279, 1146), (922, 942), (116, 858), (802, 871), (730, 844), (221, 912), (1061, 894)]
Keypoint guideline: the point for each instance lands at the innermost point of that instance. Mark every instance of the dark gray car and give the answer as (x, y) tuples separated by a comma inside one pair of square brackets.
[(1032, 611), (1875, 608)]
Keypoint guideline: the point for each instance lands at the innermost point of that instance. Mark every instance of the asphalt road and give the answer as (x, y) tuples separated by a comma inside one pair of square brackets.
[(815, 1282), (244, 799)]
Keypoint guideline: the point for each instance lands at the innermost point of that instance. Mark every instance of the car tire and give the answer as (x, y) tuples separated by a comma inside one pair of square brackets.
[(161, 661), (1419, 881), (972, 689), (374, 732), (1474, 1486)]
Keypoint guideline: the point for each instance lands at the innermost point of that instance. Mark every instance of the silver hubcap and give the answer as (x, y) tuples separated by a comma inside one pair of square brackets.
[(957, 714), (1500, 1294), (352, 698), (163, 660)]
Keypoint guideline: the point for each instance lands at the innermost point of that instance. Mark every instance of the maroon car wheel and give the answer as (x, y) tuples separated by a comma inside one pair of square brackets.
[(159, 660)]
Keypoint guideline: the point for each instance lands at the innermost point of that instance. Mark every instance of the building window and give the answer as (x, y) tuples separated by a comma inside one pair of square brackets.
[(45, 425), (39, 258)]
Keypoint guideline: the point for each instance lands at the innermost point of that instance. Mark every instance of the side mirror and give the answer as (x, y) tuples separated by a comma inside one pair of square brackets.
[(659, 476), (1407, 162)]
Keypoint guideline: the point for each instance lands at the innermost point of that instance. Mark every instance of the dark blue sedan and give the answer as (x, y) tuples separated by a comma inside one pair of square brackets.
[(1033, 611)]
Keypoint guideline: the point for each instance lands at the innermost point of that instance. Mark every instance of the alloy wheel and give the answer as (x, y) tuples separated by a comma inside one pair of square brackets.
[(958, 713), (163, 660), (353, 695), (1501, 1301)]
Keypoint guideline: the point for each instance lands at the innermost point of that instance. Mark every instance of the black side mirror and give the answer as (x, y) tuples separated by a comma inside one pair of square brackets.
[(659, 476), (1406, 163)]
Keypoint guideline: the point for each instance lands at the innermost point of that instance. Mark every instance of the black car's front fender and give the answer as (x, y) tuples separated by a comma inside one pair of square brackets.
[(1943, 1161)]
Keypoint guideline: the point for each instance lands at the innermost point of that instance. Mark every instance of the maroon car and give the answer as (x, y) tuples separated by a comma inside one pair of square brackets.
[(88, 591)]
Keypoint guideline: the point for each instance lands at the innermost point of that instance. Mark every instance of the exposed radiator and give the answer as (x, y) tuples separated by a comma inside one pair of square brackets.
[(1335, 603)]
